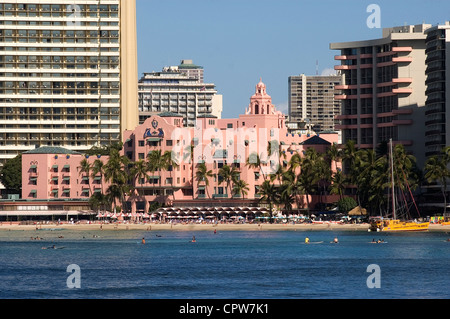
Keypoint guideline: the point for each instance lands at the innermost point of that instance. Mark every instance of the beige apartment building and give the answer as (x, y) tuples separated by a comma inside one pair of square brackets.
[(383, 94), (312, 102), (68, 73)]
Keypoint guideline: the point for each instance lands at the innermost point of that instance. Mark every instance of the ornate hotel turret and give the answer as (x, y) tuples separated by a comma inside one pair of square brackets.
[(261, 104)]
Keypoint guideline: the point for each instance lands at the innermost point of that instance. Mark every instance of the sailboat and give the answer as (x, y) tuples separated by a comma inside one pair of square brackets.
[(394, 224)]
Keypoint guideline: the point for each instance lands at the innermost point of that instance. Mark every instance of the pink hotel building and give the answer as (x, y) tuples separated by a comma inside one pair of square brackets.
[(53, 174)]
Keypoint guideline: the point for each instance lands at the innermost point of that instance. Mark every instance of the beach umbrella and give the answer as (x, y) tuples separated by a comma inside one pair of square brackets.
[(146, 215)]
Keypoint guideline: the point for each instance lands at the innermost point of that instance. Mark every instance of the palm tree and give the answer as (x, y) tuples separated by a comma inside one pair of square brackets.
[(140, 173), (228, 175), (240, 187), (334, 154), (254, 161), (169, 163), (98, 168), (403, 167), (155, 163), (85, 168), (311, 172), (291, 186), (269, 194), (349, 154), (436, 169), (98, 201), (116, 172), (338, 184), (203, 174), (117, 192), (295, 162)]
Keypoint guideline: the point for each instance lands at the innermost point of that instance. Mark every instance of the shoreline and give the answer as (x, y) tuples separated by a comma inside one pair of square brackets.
[(204, 227)]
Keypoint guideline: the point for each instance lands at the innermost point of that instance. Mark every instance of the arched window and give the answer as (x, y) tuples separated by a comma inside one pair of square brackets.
[(256, 109)]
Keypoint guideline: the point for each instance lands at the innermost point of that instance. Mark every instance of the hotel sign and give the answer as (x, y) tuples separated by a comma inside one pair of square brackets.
[(154, 131)]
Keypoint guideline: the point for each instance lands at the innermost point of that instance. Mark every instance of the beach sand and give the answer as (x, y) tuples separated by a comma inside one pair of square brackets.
[(205, 227)]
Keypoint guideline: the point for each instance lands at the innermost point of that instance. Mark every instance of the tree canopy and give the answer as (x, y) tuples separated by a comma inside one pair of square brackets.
[(11, 174)]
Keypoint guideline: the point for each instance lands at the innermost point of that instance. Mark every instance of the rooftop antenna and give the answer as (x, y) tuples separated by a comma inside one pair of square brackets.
[(317, 67)]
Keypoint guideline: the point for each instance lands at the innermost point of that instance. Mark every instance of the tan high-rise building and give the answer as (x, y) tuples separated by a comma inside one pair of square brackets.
[(68, 73), (383, 94), (311, 101)]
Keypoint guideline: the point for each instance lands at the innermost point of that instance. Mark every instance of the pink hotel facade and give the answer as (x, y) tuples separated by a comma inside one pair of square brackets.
[(54, 173)]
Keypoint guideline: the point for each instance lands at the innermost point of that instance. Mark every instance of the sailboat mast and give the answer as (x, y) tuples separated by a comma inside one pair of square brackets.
[(392, 178)]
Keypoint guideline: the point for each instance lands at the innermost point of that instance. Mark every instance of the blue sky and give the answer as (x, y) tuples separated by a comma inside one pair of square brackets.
[(239, 41)]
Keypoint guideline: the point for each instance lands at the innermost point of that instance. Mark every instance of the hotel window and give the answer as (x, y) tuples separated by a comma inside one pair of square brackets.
[(169, 143), (141, 143)]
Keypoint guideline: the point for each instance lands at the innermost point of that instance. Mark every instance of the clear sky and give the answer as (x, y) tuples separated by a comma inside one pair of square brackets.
[(239, 41)]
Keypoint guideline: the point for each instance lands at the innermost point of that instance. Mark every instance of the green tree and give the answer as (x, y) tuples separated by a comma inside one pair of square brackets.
[(85, 168), (240, 187), (169, 164), (291, 187), (203, 174), (99, 201), (116, 171), (11, 174), (228, 174), (436, 170), (155, 162), (270, 195), (140, 173), (334, 154), (346, 204), (98, 168), (338, 184), (312, 172), (254, 161)]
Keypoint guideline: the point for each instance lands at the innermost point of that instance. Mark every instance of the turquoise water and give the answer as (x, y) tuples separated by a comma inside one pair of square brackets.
[(238, 265)]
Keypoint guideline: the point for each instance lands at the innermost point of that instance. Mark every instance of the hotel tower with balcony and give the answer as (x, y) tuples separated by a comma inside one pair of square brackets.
[(68, 73), (383, 94), (437, 118)]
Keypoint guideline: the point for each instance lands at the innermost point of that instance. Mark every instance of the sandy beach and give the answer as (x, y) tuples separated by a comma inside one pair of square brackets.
[(205, 227)]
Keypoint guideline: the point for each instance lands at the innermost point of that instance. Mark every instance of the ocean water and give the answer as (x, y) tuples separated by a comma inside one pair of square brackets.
[(225, 265)]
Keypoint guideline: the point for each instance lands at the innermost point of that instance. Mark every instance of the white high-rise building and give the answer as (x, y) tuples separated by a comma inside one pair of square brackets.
[(68, 73), (174, 91)]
